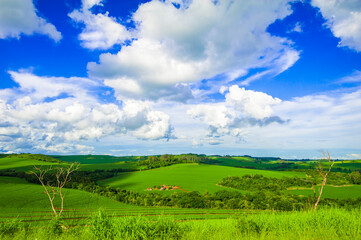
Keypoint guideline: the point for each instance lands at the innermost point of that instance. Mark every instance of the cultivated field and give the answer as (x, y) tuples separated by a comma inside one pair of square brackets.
[(190, 177)]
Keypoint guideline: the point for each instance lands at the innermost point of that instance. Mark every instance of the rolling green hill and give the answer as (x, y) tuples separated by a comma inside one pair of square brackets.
[(340, 192), (190, 177), (19, 196), (96, 159), (25, 163), (22, 163)]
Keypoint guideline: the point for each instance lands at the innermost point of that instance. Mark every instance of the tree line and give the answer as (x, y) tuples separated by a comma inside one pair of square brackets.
[(168, 159), (259, 182)]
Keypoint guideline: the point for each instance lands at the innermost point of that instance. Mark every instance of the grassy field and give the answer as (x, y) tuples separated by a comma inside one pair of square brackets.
[(21, 164), (27, 201), (19, 196), (96, 159), (24, 164), (340, 192), (190, 177)]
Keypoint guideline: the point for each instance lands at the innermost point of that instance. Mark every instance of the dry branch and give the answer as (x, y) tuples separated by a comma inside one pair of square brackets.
[(52, 190)]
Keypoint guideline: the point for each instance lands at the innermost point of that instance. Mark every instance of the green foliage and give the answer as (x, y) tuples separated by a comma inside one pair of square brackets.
[(259, 182), (355, 177), (9, 228), (323, 224), (104, 226), (167, 160)]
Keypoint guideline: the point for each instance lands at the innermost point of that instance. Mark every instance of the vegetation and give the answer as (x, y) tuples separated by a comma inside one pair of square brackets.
[(253, 203), (55, 189), (324, 224), (167, 159), (190, 177), (259, 182)]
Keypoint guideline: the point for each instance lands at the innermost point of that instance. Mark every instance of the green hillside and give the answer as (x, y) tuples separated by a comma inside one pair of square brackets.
[(19, 196), (96, 159), (26, 163), (340, 192), (190, 177), (22, 163)]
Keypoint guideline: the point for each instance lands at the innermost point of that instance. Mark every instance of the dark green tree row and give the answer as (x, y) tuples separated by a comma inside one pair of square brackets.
[(168, 159), (259, 182)]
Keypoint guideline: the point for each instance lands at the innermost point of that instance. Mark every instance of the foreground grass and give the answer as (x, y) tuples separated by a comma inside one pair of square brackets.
[(323, 224)]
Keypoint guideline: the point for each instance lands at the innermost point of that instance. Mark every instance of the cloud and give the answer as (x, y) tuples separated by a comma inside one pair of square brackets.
[(353, 156), (20, 17), (297, 28), (199, 40), (344, 19), (101, 31), (49, 113), (241, 108), (320, 121), (355, 77), (330, 120), (255, 104)]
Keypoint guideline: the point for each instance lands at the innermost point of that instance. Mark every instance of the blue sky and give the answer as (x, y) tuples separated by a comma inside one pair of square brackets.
[(264, 78)]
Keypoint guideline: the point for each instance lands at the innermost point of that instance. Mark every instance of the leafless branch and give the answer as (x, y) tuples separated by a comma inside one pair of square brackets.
[(62, 176), (324, 174)]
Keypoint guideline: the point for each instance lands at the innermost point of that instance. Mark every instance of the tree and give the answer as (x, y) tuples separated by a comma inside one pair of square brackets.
[(324, 173), (54, 188)]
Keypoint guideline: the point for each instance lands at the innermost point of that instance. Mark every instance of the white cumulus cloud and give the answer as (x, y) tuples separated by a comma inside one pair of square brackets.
[(241, 109), (199, 40), (20, 17), (44, 113), (101, 30), (344, 19)]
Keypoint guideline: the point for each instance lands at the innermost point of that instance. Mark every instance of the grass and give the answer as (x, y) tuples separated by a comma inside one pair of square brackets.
[(19, 196), (25, 201), (24, 164), (95, 159), (323, 224), (20, 164), (190, 177), (343, 192)]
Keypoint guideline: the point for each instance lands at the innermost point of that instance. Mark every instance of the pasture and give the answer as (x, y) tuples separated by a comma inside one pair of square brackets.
[(190, 177), (23, 164), (340, 192), (27, 164)]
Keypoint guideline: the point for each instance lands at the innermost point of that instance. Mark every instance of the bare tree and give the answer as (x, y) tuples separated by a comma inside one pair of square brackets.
[(53, 189), (323, 173)]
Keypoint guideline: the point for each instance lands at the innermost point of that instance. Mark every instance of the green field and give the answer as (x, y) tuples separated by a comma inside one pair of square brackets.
[(95, 159), (17, 195), (22, 200), (343, 192), (21, 164), (190, 177), (24, 164)]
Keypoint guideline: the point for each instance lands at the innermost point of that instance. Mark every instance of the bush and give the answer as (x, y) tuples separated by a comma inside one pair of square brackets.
[(11, 227)]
